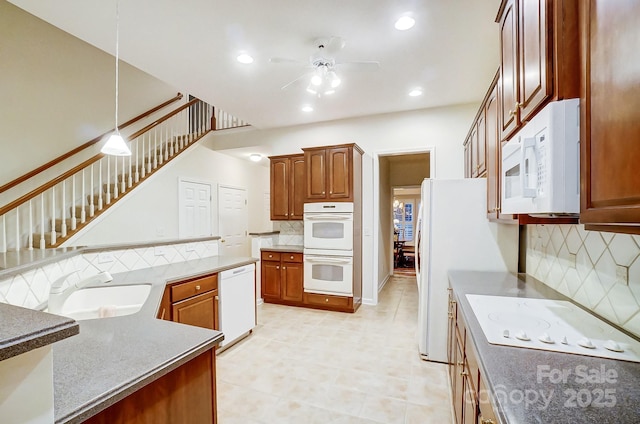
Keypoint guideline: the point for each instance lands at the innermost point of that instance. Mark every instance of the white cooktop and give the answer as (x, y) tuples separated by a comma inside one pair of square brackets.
[(554, 325)]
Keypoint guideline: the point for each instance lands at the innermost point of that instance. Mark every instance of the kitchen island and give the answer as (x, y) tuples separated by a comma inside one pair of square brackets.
[(536, 386)]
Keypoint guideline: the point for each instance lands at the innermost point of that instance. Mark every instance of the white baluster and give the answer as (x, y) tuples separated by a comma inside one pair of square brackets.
[(53, 215), (144, 158), (30, 236), (64, 221), (17, 228), (123, 185), (83, 198), (3, 246), (137, 177), (73, 201), (43, 243), (171, 140), (100, 202), (155, 148), (115, 176), (130, 169), (108, 181), (92, 208)]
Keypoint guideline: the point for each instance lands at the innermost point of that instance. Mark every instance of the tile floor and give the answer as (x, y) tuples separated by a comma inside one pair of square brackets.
[(307, 366)]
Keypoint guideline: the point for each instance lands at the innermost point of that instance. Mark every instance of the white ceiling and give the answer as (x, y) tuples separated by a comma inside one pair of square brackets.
[(452, 52)]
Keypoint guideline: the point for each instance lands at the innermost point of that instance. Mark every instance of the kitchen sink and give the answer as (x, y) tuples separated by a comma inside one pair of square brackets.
[(105, 302)]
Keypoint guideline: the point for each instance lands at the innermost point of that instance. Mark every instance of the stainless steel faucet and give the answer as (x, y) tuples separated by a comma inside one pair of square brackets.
[(58, 294)]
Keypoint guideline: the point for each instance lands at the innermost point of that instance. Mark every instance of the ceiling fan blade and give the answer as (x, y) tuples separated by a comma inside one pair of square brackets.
[(359, 66), (294, 81), (285, 60)]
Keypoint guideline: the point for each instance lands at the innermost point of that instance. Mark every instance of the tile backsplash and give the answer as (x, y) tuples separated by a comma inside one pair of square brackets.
[(291, 233), (601, 271), (31, 288)]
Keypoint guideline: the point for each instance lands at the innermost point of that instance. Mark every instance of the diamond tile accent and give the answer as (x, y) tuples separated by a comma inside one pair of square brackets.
[(589, 267)]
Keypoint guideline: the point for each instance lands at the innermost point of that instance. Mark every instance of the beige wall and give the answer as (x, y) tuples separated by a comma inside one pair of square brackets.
[(385, 224), (58, 92), (409, 170)]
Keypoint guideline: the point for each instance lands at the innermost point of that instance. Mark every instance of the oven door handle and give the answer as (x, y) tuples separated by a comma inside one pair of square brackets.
[(328, 260), (328, 217)]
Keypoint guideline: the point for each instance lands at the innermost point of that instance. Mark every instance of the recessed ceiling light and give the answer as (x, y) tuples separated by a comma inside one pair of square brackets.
[(307, 108), (244, 58), (415, 92), (404, 23), (255, 157)]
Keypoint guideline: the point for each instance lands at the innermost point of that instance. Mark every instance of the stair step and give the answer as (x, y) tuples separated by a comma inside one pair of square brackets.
[(112, 188), (69, 221), (47, 239), (87, 210)]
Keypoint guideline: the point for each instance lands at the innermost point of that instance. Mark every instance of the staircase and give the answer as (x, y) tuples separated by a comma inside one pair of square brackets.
[(52, 213)]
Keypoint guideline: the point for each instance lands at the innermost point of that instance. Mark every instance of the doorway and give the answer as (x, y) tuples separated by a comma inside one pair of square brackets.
[(233, 221), (405, 204), (396, 170)]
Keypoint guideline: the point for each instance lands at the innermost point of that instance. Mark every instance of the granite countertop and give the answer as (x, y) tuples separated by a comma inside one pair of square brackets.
[(284, 248), (518, 378), (25, 329), (113, 357)]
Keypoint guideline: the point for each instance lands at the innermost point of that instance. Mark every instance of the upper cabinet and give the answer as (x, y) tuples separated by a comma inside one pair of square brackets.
[(538, 58), (610, 114), (287, 187), (330, 172)]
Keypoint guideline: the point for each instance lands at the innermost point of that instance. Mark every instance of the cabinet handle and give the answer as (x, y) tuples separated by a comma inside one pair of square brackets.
[(487, 421), (463, 373), (284, 267), (217, 298), (271, 256), (286, 214), (331, 192), (326, 299), (197, 287), (512, 112), (323, 192), (291, 257), (278, 267)]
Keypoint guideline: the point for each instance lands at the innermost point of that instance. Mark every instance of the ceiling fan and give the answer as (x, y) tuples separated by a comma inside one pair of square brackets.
[(322, 76)]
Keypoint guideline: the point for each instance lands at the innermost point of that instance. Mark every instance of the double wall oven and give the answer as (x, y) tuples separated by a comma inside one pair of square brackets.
[(328, 248)]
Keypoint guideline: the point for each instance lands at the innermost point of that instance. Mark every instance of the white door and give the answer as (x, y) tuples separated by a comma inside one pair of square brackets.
[(233, 220), (194, 210)]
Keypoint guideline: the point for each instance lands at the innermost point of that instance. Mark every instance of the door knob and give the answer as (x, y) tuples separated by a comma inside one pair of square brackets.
[(222, 241)]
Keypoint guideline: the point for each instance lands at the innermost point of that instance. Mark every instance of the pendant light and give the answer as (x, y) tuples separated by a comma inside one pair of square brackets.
[(115, 145)]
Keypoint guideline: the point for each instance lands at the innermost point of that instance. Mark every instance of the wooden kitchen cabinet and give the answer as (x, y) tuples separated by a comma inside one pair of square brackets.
[(287, 187), (186, 394), (282, 277), (539, 55), (470, 397), (330, 172), (610, 116), (192, 302)]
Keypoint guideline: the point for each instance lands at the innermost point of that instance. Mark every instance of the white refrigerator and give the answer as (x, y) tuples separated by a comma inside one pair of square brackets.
[(453, 232)]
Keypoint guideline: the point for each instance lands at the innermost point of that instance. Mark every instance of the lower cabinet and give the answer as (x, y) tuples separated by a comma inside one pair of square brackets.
[(192, 302), (282, 277), (185, 395), (470, 397)]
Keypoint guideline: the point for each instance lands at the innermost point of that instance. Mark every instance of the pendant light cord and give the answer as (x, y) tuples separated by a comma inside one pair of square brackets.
[(117, 56)]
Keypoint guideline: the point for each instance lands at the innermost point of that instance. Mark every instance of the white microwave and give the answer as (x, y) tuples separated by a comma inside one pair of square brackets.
[(541, 163)]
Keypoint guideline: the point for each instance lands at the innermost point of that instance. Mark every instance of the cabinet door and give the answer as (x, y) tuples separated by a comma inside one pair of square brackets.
[(296, 187), (270, 280), (280, 181), (508, 91), (534, 75), (339, 173), (493, 153), (199, 310), (473, 141), (458, 387), (470, 404), (315, 165), (610, 113), (481, 145), (292, 275), (467, 158)]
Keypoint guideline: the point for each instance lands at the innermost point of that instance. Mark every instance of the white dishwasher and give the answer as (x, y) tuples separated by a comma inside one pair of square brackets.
[(237, 302)]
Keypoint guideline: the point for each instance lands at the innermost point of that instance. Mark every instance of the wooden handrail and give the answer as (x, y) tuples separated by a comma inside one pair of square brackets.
[(161, 120), (89, 143), (86, 163)]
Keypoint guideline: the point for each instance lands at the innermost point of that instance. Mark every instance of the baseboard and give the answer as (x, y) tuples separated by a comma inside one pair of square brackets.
[(381, 285), (259, 301)]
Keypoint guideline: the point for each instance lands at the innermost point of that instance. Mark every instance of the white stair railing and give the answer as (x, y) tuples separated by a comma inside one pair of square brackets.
[(75, 194)]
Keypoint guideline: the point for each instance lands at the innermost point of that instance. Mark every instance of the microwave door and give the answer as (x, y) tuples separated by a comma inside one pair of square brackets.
[(529, 168)]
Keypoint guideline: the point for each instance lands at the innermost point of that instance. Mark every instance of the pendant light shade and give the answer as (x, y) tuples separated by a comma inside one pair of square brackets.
[(115, 145)]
